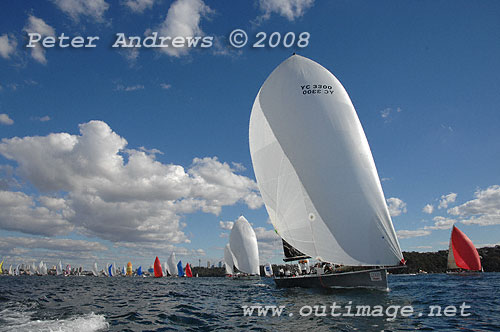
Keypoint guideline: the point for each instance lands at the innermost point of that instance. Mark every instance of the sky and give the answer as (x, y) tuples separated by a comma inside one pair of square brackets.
[(117, 154)]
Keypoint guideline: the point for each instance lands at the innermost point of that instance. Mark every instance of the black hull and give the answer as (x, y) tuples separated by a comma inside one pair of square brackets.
[(376, 278)]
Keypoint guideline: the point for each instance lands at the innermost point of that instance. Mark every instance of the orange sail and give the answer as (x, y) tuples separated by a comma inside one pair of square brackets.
[(462, 254), (189, 274), (129, 268), (157, 268)]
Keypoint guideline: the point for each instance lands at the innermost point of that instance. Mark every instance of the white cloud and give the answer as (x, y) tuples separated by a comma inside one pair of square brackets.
[(396, 206), (387, 113), (77, 8), (140, 200), (37, 25), (227, 225), (20, 212), (165, 86), (269, 243), (447, 199), (406, 234), (5, 119), (429, 208), (139, 6), (290, 9), (484, 210), (41, 118), (7, 46), (136, 87), (183, 19), (441, 223)]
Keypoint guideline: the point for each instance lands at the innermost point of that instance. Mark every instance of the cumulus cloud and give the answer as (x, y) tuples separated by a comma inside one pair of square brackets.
[(183, 20), (290, 9), (429, 208), (396, 206), (23, 213), (5, 119), (441, 223), (406, 234), (7, 46), (117, 194), (269, 243), (77, 8), (139, 6), (227, 225), (447, 199), (483, 210), (37, 25)]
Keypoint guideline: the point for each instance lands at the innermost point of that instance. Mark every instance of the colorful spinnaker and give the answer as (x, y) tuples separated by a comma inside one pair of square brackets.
[(180, 270), (139, 271), (189, 274), (157, 268), (462, 253), (129, 268)]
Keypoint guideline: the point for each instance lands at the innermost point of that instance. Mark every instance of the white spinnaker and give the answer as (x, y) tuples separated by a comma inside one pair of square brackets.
[(243, 245), (315, 170), (228, 259), (172, 265)]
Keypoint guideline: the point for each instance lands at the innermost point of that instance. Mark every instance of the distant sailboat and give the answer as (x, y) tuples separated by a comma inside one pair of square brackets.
[(268, 270), (129, 269), (139, 271), (110, 271), (59, 269), (180, 270), (1, 264), (318, 179), (95, 270), (462, 254), (172, 266), (243, 245), (189, 273), (11, 272), (165, 269), (228, 261), (16, 271), (157, 268)]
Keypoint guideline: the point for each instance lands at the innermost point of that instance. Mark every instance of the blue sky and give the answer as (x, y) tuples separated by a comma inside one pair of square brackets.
[(124, 155)]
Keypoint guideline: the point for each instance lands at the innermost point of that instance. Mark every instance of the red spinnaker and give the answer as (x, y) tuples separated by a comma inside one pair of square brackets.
[(157, 268), (464, 252), (189, 274)]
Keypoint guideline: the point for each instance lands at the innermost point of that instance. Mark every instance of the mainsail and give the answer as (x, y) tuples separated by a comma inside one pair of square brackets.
[(292, 254), (95, 270), (243, 245), (315, 170), (228, 260), (462, 253)]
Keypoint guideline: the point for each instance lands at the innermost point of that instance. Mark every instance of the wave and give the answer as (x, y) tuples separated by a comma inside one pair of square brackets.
[(21, 321)]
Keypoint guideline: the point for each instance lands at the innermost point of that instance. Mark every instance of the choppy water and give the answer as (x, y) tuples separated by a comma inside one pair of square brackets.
[(139, 304)]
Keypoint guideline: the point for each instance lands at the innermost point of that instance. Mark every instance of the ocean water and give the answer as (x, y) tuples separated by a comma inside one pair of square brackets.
[(48, 303)]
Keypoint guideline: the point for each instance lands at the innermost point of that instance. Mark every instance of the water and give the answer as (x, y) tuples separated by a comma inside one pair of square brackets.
[(146, 304)]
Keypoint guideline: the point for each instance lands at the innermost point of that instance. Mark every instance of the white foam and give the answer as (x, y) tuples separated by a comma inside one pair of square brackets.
[(21, 322)]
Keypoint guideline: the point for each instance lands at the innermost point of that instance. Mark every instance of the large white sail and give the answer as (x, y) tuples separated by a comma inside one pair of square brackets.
[(243, 245), (172, 265), (315, 170), (59, 268), (228, 260)]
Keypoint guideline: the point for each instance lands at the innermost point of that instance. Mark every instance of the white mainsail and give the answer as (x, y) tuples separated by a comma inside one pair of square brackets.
[(95, 270), (243, 245), (59, 268), (315, 170), (228, 260), (172, 265)]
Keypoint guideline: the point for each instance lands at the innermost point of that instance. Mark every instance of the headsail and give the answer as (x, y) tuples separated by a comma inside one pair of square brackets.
[(315, 170), (462, 252), (172, 266), (243, 245), (180, 270), (228, 260), (157, 268)]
